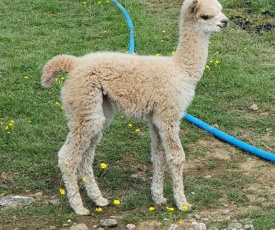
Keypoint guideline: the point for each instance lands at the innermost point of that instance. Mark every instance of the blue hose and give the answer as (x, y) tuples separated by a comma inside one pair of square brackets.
[(225, 137), (130, 26), (215, 132)]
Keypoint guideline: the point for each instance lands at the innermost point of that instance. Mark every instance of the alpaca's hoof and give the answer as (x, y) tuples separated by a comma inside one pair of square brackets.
[(83, 212), (102, 202)]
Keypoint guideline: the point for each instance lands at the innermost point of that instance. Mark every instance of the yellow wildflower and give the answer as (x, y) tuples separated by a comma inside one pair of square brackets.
[(161, 40), (211, 61), (62, 191), (217, 62), (170, 209), (6, 128), (57, 103), (180, 222), (99, 2), (173, 53), (26, 77), (84, 179), (130, 125), (151, 209), (98, 209), (103, 165), (207, 67), (1, 123), (163, 31), (137, 130), (116, 202), (185, 208), (29, 121), (157, 54)]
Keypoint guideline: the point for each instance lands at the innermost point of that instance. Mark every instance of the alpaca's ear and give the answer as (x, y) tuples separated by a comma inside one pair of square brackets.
[(194, 6)]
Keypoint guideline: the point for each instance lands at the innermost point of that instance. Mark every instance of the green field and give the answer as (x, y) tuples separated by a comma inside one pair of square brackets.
[(33, 128)]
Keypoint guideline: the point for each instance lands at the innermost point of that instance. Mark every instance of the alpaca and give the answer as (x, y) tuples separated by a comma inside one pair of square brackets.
[(154, 89)]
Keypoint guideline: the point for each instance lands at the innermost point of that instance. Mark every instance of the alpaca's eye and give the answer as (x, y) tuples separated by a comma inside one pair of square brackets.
[(205, 17)]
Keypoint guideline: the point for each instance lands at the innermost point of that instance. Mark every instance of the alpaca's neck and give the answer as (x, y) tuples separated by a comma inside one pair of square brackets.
[(192, 50)]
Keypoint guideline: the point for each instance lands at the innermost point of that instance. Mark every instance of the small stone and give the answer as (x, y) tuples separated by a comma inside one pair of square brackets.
[(249, 227), (7, 201), (198, 226), (79, 227), (208, 177), (254, 107), (54, 201), (235, 225), (131, 226), (173, 227), (225, 212), (38, 194), (197, 216), (108, 223), (215, 126)]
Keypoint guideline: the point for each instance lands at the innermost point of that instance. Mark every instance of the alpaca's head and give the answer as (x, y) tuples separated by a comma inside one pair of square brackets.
[(205, 14)]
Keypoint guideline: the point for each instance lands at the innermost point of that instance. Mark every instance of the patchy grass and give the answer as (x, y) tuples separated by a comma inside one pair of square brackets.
[(33, 128)]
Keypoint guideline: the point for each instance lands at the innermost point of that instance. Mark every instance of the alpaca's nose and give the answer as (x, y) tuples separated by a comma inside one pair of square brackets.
[(225, 22)]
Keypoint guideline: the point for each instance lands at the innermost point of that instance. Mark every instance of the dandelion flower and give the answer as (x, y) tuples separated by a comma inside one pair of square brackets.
[(170, 209), (61, 107), (98, 209), (6, 128), (62, 191), (29, 121), (84, 179), (185, 207), (157, 54), (207, 67), (173, 53), (211, 61), (56, 103), (116, 202), (103, 165), (137, 130), (62, 78), (180, 222), (151, 209), (161, 40), (130, 125), (163, 31), (105, 31), (217, 62), (26, 77)]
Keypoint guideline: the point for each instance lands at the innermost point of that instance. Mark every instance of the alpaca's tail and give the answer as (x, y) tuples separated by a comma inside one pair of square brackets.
[(57, 64)]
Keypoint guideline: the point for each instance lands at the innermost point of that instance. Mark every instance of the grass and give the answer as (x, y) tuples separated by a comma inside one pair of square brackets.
[(34, 31)]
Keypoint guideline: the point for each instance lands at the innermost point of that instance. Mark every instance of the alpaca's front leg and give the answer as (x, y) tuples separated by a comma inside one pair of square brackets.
[(175, 159), (158, 160)]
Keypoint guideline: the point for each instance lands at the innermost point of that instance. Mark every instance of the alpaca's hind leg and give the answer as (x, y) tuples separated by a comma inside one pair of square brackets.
[(69, 158), (86, 165), (175, 159), (158, 160), (86, 171)]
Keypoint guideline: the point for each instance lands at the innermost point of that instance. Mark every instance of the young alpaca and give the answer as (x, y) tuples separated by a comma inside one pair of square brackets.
[(155, 89)]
